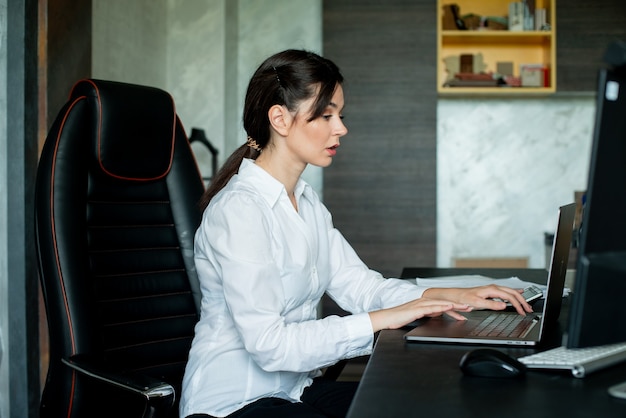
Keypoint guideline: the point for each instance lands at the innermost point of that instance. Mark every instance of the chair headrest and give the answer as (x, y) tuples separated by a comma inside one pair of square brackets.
[(135, 128)]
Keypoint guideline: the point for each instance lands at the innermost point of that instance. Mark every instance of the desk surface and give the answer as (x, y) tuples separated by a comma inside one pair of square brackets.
[(421, 380), (531, 275)]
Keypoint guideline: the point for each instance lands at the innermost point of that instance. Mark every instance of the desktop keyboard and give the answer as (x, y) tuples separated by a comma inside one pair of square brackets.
[(581, 361)]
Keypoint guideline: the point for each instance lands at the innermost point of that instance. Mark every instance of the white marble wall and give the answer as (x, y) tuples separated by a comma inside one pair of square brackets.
[(503, 168), (195, 65), (196, 70)]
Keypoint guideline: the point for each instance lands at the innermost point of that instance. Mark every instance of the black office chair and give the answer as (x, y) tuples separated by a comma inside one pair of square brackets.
[(116, 211)]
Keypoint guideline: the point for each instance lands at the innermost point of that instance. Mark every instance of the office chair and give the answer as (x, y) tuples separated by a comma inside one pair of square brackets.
[(116, 210)]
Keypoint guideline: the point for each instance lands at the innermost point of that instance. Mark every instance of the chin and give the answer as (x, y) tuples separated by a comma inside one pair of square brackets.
[(322, 162), (325, 163)]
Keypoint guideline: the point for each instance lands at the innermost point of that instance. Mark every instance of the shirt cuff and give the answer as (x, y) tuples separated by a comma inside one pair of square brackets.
[(361, 334)]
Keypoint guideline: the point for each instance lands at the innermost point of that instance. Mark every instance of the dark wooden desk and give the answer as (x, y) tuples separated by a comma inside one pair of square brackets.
[(531, 275), (424, 380)]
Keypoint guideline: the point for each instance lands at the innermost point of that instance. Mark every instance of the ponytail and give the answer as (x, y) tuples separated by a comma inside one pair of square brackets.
[(224, 174)]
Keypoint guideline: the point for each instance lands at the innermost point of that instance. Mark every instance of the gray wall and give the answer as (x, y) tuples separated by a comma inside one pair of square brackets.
[(4, 239), (203, 53), (19, 352), (381, 187)]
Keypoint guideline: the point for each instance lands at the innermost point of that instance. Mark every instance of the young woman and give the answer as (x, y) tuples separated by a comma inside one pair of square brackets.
[(267, 251)]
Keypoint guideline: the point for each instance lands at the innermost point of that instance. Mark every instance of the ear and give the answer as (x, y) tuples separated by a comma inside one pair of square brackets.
[(280, 119)]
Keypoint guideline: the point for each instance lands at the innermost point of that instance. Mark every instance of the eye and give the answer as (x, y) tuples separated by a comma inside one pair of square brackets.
[(328, 117)]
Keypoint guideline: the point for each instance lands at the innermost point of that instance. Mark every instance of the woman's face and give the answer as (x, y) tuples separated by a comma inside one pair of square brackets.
[(316, 141)]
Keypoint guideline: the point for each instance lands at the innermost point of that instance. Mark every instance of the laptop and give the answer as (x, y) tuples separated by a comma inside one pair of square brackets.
[(516, 329)]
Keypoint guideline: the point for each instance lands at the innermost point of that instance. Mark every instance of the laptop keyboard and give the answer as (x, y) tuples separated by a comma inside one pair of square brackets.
[(581, 361), (496, 325)]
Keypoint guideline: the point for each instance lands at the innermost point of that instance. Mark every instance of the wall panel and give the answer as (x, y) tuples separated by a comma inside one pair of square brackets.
[(584, 30), (381, 187)]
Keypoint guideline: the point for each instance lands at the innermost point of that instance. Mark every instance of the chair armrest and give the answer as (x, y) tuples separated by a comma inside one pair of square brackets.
[(159, 396)]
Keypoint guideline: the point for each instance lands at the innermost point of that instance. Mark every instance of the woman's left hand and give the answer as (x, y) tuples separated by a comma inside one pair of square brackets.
[(482, 297)]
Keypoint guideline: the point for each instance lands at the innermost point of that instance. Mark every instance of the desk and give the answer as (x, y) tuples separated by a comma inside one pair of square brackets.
[(532, 275), (423, 380)]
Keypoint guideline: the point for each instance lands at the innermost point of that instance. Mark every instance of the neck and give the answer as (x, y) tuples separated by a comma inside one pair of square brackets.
[(287, 174)]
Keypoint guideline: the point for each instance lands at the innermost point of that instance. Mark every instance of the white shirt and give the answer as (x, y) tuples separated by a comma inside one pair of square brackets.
[(263, 268)]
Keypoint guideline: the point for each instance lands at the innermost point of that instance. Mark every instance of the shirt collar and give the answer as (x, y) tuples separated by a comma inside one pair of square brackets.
[(268, 186)]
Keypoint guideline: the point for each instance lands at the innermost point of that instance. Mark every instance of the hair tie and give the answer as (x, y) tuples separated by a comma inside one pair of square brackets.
[(253, 144)]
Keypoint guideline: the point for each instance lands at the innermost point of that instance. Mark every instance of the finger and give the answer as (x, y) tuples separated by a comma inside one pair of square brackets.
[(513, 296), (517, 300), (494, 305), (451, 309), (522, 307), (455, 315), (493, 300)]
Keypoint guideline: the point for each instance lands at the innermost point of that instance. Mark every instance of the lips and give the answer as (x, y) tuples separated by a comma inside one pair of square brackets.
[(332, 151)]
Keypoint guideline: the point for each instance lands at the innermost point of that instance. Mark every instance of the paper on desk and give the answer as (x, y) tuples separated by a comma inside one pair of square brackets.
[(477, 280)]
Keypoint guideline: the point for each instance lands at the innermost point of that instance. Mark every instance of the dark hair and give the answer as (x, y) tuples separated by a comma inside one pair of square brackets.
[(286, 78)]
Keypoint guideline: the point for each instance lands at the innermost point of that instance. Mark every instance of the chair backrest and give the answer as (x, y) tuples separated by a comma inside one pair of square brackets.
[(116, 211)]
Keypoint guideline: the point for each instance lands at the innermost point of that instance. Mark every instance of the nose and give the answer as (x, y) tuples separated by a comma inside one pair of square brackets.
[(341, 129)]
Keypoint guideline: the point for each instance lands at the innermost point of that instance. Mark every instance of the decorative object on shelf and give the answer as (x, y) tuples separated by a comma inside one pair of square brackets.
[(521, 34), (475, 80), (472, 21), (451, 19), (468, 70), (534, 75), (516, 16)]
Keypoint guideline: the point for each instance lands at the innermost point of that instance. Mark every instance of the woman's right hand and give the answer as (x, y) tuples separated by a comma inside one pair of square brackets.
[(393, 318)]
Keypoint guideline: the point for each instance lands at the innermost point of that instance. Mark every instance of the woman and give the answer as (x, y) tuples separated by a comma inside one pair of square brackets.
[(267, 251)]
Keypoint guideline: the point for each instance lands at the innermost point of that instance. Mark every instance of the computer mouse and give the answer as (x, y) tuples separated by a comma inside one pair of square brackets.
[(489, 362)]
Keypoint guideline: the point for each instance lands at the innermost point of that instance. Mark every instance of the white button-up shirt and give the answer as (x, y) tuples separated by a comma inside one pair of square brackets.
[(263, 268)]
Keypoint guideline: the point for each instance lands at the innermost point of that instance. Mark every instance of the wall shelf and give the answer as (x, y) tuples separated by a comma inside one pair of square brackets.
[(534, 47)]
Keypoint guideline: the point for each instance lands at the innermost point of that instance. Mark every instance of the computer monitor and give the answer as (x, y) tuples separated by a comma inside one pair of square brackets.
[(597, 315)]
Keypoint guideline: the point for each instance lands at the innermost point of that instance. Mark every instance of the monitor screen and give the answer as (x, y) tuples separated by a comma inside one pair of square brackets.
[(597, 316)]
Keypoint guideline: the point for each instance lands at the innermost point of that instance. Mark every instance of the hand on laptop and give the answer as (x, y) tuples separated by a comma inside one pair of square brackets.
[(450, 301), (393, 318), (482, 297)]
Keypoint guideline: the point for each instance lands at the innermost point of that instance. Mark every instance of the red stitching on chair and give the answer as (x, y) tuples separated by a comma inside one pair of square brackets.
[(56, 254), (99, 140)]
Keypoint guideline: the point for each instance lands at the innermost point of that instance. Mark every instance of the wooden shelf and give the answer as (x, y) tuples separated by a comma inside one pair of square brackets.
[(495, 91), (495, 36), (517, 47)]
